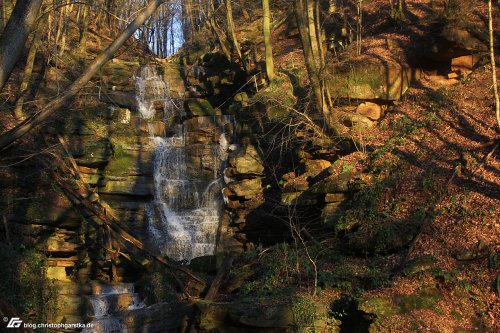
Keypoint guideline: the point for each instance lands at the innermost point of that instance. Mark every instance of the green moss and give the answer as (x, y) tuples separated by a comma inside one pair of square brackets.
[(23, 284), (120, 165), (277, 98), (402, 304), (199, 107), (304, 312), (34, 212)]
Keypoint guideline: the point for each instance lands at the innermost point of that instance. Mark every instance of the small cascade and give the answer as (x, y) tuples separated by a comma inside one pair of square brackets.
[(184, 216), (106, 302)]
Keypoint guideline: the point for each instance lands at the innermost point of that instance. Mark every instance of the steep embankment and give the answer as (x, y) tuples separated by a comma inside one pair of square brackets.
[(396, 221)]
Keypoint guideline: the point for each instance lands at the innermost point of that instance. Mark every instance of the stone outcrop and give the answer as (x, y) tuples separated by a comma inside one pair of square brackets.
[(370, 78), (262, 315), (370, 110)]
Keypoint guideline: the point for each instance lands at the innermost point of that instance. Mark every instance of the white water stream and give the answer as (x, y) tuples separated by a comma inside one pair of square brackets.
[(108, 300), (184, 216)]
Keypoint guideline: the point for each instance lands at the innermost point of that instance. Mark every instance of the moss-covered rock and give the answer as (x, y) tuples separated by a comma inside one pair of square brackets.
[(370, 79), (246, 161), (277, 99), (298, 198), (130, 163), (333, 184), (211, 315), (384, 307), (172, 74), (131, 185), (420, 264), (197, 107)]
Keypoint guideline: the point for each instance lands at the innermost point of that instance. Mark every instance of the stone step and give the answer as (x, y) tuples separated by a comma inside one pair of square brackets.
[(93, 288)]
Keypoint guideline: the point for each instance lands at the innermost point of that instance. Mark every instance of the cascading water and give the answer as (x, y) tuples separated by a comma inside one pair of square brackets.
[(106, 302), (184, 216)]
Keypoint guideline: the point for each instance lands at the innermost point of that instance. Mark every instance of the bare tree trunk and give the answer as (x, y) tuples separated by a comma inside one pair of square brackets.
[(15, 34), (28, 69), (310, 54), (82, 43), (493, 65), (219, 38), (267, 40), (19, 131), (2, 15), (230, 31), (359, 27)]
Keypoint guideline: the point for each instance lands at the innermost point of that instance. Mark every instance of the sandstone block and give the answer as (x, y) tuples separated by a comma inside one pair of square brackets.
[(370, 110)]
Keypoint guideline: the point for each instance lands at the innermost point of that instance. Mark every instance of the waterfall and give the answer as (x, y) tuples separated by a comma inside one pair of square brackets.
[(106, 302), (184, 215)]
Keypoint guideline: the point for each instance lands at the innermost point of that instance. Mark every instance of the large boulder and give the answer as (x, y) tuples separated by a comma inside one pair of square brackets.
[(453, 40), (370, 78), (246, 160), (369, 110), (247, 188)]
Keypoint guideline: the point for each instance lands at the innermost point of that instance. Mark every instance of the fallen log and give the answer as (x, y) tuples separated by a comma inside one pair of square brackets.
[(221, 273)]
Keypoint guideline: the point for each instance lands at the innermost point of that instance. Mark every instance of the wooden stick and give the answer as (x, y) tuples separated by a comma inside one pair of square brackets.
[(221, 273)]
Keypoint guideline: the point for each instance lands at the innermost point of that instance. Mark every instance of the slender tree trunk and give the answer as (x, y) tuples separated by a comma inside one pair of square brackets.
[(313, 35), (230, 31), (493, 65), (359, 27), (327, 99), (267, 40), (19, 131), (82, 43), (28, 69), (2, 15), (317, 83), (219, 38), (15, 34)]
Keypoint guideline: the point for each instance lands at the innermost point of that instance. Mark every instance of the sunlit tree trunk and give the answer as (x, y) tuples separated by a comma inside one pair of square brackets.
[(82, 43), (493, 64), (267, 40), (301, 14), (230, 31), (304, 13), (359, 36)]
